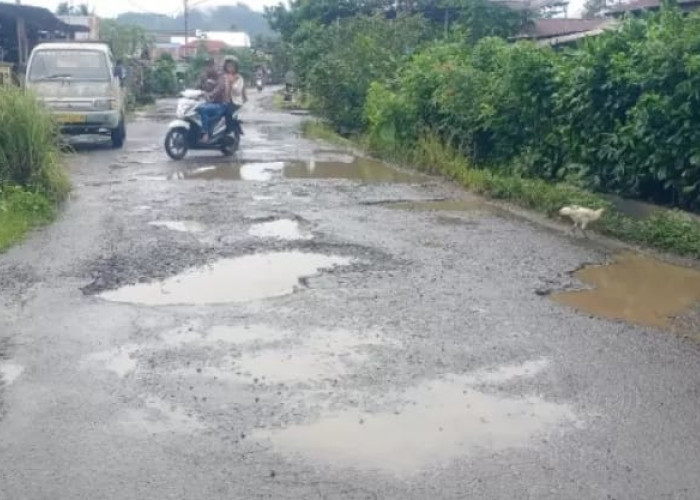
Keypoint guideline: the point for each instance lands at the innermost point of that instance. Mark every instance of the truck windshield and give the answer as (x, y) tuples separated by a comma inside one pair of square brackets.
[(74, 64)]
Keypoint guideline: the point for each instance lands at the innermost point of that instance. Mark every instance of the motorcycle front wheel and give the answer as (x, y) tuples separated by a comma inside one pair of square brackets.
[(176, 143)]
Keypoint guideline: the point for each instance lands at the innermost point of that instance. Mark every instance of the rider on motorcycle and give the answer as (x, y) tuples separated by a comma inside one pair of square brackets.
[(209, 76)]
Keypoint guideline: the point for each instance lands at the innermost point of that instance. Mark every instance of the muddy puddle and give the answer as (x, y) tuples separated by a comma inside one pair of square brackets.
[(9, 372), (428, 426), (636, 289), (183, 226), (359, 169), (282, 229), (240, 279)]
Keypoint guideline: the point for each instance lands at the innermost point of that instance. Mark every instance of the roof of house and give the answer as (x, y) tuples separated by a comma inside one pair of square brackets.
[(550, 28), (37, 17), (210, 45)]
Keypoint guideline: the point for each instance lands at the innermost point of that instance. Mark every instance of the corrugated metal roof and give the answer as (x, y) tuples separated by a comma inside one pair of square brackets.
[(37, 17)]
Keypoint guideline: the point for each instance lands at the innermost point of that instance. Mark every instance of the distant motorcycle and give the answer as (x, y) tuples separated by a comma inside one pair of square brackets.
[(185, 132), (259, 84)]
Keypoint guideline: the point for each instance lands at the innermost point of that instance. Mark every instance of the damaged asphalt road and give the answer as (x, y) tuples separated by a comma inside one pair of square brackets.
[(274, 326)]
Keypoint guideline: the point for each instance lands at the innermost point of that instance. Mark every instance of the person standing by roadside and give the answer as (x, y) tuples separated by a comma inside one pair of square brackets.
[(120, 72)]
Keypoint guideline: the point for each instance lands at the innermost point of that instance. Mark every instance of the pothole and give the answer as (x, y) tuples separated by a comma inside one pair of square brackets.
[(120, 361), (222, 334), (636, 289), (159, 417), (282, 229), (430, 425), (359, 169), (9, 372), (323, 354), (184, 226), (241, 279)]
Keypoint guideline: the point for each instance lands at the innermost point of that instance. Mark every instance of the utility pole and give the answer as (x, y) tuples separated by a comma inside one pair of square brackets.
[(21, 40), (187, 29)]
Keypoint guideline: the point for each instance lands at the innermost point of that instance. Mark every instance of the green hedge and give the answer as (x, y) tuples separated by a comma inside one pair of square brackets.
[(619, 114)]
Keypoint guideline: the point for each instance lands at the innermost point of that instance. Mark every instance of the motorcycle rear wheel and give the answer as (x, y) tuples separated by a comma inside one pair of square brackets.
[(231, 145)]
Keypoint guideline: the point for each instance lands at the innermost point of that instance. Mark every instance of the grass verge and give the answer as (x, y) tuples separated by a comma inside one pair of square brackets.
[(298, 102), (20, 212), (316, 129), (668, 230)]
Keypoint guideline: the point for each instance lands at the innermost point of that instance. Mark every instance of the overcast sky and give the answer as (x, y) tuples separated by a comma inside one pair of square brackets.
[(110, 8)]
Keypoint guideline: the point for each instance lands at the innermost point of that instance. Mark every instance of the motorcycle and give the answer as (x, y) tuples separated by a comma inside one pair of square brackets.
[(259, 84), (185, 132)]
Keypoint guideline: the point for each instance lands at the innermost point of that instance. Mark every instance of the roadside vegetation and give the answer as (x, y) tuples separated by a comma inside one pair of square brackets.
[(618, 114), (32, 181)]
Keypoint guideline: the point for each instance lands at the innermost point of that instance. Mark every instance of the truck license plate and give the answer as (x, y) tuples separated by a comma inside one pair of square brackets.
[(72, 118)]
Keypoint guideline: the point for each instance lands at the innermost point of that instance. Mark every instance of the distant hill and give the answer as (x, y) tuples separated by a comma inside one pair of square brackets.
[(226, 17)]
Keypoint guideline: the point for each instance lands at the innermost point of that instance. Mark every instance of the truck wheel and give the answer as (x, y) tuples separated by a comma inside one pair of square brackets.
[(119, 134)]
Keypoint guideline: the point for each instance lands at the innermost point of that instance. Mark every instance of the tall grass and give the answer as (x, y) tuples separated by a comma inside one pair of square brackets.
[(29, 146)]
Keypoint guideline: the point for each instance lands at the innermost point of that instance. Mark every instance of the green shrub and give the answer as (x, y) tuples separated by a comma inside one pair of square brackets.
[(619, 114), (29, 146), (629, 109), (163, 80)]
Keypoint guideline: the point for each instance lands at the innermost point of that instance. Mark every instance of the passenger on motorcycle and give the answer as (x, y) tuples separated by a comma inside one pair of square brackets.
[(224, 99)]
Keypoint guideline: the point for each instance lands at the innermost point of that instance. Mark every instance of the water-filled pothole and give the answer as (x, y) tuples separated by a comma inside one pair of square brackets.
[(282, 229), (636, 289), (240, 279), (9, 372), (430, 425), (183, 226), (158, 417), (360, 169), (120, 360)]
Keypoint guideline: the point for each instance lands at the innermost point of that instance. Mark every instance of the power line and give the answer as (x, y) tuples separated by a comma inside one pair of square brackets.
[(187, 27)]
